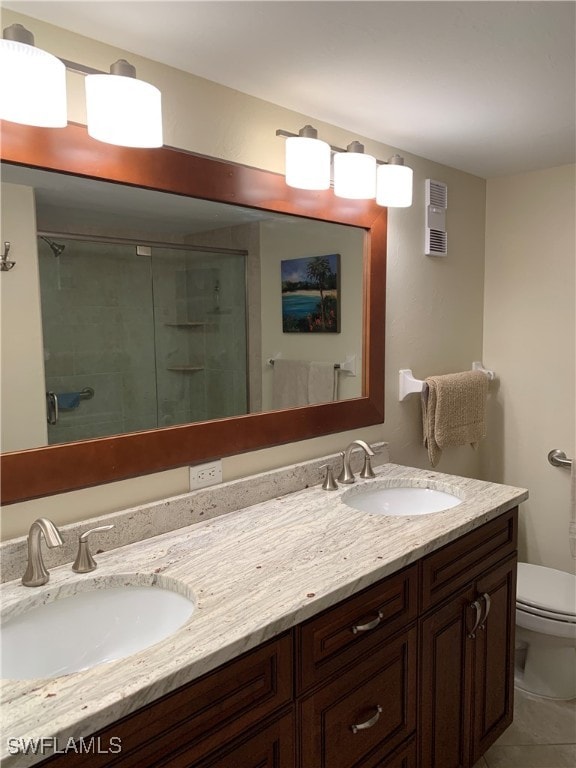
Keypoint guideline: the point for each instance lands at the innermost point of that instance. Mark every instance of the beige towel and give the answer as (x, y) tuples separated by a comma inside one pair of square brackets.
[(301, 382), (453, 411)]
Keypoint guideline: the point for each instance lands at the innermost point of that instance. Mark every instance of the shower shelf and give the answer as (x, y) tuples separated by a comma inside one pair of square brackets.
[(185, 368), (186, 325)]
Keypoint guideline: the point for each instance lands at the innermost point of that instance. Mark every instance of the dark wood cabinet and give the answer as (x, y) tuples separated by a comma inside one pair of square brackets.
[(271, 747), (466, 661), (198, 719), (416, 671), (365, 712)]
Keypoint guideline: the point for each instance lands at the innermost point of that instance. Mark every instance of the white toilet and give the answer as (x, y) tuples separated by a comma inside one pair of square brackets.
[(546, 632)]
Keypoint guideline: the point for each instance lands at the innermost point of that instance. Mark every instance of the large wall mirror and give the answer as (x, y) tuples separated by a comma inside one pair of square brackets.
[(176, 292)]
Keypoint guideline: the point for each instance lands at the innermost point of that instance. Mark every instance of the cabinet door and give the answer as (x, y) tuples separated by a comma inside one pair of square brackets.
[(404, 757), (358, 719), (445, 683), (493, 697)]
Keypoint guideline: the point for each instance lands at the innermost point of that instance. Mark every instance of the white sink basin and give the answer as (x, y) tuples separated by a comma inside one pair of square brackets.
[(74, 633), (402, 501)]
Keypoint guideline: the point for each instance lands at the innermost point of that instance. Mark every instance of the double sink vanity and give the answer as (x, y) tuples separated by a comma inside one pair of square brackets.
[(366, 627)]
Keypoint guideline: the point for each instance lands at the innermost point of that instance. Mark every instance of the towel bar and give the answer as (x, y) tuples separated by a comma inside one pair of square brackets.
[(348, 366), (408, 385)]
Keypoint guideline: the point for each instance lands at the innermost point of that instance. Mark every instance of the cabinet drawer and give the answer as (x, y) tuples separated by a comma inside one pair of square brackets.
[(366, 712), (348, 631), (201, 716), (451, 567), (271, 747)]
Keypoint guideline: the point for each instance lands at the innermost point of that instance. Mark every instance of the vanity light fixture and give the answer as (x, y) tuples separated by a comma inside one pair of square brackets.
[(121, 109), (354, 173), (307, 160), (357, 176), (394, 184)]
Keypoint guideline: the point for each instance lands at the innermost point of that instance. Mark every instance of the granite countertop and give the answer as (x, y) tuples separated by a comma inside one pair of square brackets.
[(252, 573)]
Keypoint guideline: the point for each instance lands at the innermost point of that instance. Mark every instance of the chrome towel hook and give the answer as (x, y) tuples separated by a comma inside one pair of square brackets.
[(5, 264)]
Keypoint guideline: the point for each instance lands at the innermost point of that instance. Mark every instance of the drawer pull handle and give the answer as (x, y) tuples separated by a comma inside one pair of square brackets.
[(478, 608), (370, 625), (369, 723), (488, 604)]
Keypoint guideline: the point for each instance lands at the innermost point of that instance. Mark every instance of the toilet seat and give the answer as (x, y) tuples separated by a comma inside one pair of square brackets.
[(546, 592), (569, 618)]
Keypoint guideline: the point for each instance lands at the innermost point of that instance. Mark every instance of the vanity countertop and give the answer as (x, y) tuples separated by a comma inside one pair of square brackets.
[(253, 573)]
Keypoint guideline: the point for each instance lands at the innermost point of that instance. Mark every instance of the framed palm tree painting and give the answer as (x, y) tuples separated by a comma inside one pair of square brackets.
[(311, 294)]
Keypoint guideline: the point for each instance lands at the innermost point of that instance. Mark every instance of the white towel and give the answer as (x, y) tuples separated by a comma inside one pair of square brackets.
[(290, 383), (321, 383)]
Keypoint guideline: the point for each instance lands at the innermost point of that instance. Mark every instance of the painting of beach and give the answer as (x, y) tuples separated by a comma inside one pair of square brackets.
[(311, 294)]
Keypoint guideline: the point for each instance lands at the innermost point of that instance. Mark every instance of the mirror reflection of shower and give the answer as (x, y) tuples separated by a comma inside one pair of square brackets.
[(158, 331), (56, 248)]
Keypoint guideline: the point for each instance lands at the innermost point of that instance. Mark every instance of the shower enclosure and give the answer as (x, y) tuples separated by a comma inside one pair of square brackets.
[(140, 335)]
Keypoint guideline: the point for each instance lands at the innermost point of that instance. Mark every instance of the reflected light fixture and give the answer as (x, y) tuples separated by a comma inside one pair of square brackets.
[(33, 82), (357, 176), (121, 109), (354, 173), (307, 160)]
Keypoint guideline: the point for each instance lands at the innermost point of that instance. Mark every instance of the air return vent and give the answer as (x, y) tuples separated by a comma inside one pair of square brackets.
[(436, 203)]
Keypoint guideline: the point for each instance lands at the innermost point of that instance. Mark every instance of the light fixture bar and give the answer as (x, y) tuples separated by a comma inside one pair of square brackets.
[(395, 159), (80, 69)]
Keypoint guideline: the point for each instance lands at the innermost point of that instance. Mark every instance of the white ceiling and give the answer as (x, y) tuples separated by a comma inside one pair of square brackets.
[(487, 87)]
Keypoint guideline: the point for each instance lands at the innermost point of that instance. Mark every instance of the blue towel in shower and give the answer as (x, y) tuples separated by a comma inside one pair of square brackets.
[(68, 400)]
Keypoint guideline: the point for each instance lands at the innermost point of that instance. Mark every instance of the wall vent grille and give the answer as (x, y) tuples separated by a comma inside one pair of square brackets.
[(436, 194), (436, 243)]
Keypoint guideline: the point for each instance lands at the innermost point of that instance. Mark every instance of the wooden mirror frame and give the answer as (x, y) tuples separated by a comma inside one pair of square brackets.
[(59, 468)]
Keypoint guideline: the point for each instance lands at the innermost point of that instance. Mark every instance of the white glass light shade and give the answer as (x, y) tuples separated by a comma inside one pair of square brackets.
[(354, 175), (32, 86), (123, 111), (394, 186), (307, 163)]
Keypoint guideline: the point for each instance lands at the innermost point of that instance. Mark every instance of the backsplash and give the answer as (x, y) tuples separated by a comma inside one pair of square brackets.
[(143, 522)]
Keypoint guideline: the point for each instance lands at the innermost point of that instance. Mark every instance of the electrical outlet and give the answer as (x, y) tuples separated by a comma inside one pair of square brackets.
[(203, 475)]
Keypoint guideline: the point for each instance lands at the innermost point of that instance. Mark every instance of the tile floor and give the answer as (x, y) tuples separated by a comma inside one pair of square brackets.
[(543, 735)]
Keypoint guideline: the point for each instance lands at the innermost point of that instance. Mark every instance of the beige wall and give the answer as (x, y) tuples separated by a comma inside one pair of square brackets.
[(529, 338), (23, 421), (434, 306)]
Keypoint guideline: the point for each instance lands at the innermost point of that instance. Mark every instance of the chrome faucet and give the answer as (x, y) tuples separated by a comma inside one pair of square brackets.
[(36, 572), (347, 476)]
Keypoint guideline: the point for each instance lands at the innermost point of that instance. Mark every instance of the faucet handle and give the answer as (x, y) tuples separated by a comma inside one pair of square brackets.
[(329, 483), (346, 475), (367, 473), (84, 562)]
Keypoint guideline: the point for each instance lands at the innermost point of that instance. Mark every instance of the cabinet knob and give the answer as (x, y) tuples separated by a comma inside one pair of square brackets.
[(369, 723)]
